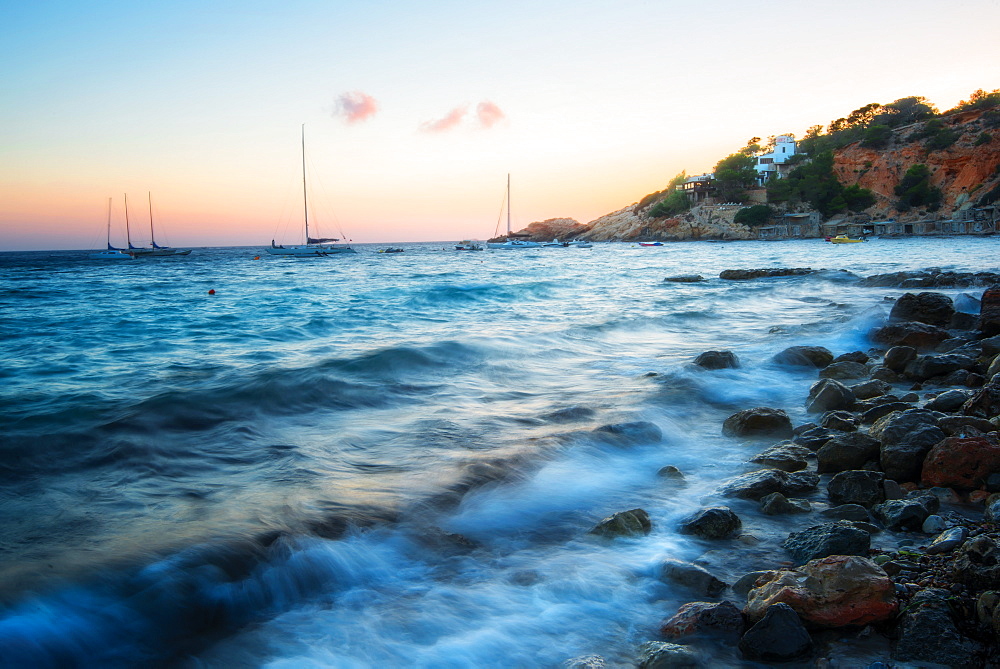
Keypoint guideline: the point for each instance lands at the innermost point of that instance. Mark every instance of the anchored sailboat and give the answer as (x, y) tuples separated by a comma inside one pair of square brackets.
[(320, 246), (155, 250), (512, 243), (112, 252)]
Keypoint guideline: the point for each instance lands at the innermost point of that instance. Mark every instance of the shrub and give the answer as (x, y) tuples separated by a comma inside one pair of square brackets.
[(755, 216), (984, 138), (877, 136), (915, 190)]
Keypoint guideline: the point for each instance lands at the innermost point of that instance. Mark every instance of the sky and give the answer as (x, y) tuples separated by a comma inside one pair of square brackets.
[(416, 112)]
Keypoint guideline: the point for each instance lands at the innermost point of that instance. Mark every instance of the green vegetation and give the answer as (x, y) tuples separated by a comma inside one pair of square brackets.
[(915, 190), (984, 138), (979, 99), (938, 135), (877, 137), (667, 202), (815, 182), (755, 216), (734, 174), (871, 125)]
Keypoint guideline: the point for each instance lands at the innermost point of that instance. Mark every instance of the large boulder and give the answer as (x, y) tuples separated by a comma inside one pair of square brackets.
[(779, 636), (906, 514), (755, 485), (869, 389), (663, 655), (916, 335), (959, 462), (777, 504), (804, 356), (835, 591), (989, 314), (717, 360), (786, 456), (716, 522), (903, 460), (927, 633), (852, 450), (931, 308), (898, 357), (977, 563), (691, 576), (985, 403), (935, 366), (857, 486), (820, 541), (624, 524), (624, 434), (698, 618), (844, 370), (829, 395), (761, 422), (949, 401)]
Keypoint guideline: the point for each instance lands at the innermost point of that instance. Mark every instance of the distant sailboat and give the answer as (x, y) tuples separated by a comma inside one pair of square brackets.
[(112, 252), (512, 243), (155, 250), (321, 246)]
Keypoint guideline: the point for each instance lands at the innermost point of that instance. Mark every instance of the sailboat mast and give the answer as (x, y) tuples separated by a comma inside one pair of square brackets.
[(109, 223), (128, 236), (152, 237), (508, 204), (305, 205)]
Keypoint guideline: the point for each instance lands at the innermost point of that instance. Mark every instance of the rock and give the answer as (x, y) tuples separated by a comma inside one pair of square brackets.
[(930, 367), (985, 403), (853, 356), (872, 415), (779, 636), (917, 335), (957, 462), (638, 432), (814, 438), (994, 368), (820, 541), (691, 576), (832, 592), (885, 375), (717, 522), (929, 278), (719, 619), (746, 274), (569, 415), (747, 582), (717, 360), (585, 662), (991, 345), (898, 357), (777, 504), (844, 370), (931, 308), (843, 421), (905, 514), (928, 634), (758, 422), (786, 456), (755, 485), (870, 389), (948, 540), (977, 563), (847, 512), (804, 356), (989, 312), (829, 395), (685, 278), (672, 473), (906, 437), (624, 524), (847, 451), (965, 426), (992, 512), (661, 655), (949, 401), (856, 487), (893, 490)]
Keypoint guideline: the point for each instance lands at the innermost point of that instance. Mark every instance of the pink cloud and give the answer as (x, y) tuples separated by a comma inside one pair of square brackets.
[(355, 106), (489, 114), (451, 120)]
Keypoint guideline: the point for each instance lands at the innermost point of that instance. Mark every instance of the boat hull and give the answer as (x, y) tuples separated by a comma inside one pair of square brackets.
[(514, 245), (309, 250), (112, 255)]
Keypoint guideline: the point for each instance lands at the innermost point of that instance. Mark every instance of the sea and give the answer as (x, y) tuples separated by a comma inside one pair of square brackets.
[(390, 460)]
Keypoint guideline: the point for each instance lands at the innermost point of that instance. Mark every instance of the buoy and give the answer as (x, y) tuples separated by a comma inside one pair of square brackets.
[(256, 257), (211, 291)]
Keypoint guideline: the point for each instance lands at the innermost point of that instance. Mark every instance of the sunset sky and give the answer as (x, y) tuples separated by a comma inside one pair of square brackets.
[(415, 112)]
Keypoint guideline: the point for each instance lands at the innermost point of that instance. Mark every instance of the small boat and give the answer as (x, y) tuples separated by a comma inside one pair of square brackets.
[(580, 244), (154, 250), (468, 245), (512, 243), (555, 242), (650, 243), (314, 247), (844, 239), (391, 249), (112, 252)]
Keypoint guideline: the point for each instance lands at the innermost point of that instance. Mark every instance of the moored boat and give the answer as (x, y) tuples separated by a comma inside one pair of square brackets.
[(468, 245), (844, 239), (511, 241)]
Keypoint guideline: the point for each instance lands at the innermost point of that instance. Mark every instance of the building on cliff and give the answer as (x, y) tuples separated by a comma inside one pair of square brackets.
[(774, 165), (698, 189)]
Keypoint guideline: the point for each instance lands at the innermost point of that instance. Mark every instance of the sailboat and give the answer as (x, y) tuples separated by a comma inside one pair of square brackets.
[(512, 243), (112, 252), (155, 250), (320, 246)]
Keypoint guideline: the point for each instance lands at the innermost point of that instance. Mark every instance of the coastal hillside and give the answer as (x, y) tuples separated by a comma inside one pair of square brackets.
[(903, 162)]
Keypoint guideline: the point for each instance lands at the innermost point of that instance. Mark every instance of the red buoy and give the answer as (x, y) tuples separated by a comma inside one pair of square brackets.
[(211, 291)]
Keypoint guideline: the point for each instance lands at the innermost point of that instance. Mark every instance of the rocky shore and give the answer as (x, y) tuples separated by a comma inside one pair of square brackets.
[(901, 469)]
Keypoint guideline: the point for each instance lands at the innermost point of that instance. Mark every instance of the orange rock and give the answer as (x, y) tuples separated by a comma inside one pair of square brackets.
[(978, 496), (958, 462)]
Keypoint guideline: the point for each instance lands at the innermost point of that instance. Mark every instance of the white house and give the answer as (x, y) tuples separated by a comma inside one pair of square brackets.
[(769, 166)]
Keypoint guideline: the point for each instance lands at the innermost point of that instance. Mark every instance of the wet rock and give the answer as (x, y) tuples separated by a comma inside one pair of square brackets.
[(855, 486), (804, 356), (893, 490), (691, 576), (758, 422), (948, 540), (991, 345), (870, 389), (569, 415), (829, 395), (746, 274), (814, 438), (847, 512), (985, 403), (717, 522), (965, 426), (779, 636), (931, 308), (717, 360), (845, 370), (994, 368), (929, 367), (662, 655), (853, 356), (843, 421), (847, 451), (989, 312), (585, 662), (624, 524), (930, 278), (898, 357), (671, 473), (820, 541), (836, 591), (905, 514), (872, 415), (917, 335), (988, 611), (786, 456), (927, 632), (777, 504), (685, 278), (755, 485), (977, 563), (704, 618), (992, 512), (638, 432), (884, 374), (958, 462), (902, 461), (949, 401), (744, 584)]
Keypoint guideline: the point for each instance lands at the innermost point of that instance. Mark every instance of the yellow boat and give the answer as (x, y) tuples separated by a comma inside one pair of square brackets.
[(844, 239)]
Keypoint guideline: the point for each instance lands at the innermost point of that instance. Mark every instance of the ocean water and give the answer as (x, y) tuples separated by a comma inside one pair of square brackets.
[(389, 460)]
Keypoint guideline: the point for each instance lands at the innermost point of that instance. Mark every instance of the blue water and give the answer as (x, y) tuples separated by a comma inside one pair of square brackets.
[(388, 460)]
